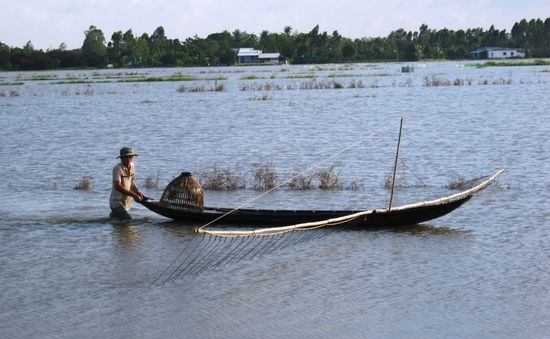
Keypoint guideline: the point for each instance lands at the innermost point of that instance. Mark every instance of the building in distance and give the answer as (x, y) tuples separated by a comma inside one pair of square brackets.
[(497, 53), (253, 56)]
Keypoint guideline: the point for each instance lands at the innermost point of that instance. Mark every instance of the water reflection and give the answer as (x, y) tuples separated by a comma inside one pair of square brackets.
[(126, 233), (429, 229)]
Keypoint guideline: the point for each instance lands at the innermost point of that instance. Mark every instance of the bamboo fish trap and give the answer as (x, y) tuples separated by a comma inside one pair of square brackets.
[(184, 192)]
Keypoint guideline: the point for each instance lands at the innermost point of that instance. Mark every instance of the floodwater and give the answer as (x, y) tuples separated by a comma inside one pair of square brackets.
[(482, 271)]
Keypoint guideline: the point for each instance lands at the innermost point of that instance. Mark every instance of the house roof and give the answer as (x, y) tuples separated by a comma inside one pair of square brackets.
[(269, 55), (488, 49), (248, 52)]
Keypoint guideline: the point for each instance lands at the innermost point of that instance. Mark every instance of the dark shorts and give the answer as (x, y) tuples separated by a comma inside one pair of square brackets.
[(120, 213)]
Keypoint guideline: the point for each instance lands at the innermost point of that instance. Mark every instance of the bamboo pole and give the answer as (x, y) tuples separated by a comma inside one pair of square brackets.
[(395, 164)]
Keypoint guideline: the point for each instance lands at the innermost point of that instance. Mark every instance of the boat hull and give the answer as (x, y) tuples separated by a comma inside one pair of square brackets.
[(259, 217), (398, 216)]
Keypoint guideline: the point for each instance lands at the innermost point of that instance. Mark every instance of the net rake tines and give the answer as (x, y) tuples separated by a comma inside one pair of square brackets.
[(211, 252)]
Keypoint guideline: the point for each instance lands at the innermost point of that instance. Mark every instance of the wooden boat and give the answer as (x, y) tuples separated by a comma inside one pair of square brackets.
[(186, 205)]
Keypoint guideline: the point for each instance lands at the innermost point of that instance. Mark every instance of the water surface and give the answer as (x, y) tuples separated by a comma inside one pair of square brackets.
[(481, 271)]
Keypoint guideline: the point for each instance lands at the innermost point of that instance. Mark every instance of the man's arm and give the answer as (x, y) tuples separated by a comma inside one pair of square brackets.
[(133, 192)]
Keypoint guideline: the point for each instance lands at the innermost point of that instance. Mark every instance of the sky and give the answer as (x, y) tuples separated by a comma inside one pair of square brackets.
[(48, 23)]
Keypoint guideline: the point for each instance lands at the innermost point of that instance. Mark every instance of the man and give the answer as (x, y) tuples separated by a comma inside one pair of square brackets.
[(124, 186)]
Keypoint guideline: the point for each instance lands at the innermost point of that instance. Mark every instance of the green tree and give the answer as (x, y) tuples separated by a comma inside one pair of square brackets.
[(158, 44), (546, 38), (115, 49), (5, 56), (141, 51), (93, 48), (348, 50), (243, 39), (221, 44)]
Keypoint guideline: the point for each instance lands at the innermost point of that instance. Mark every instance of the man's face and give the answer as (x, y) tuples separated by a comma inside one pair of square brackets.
[(127, 160)]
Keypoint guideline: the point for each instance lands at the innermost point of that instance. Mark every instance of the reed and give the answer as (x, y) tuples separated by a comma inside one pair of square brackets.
[(262, 98), (220, 179), (175, 77), (356, 84), (354, 186), (268, 86), (388, 180), (300, 181), (217, 87), (264, 175), (337, 85), (328, 178), (435, 81), (85, 183), (152, 182), (459, 182)]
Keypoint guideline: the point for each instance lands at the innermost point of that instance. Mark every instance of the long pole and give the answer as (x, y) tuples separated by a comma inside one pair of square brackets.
[(395, 164)]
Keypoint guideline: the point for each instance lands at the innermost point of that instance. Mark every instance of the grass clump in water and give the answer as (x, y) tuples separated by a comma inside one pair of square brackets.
[(217, 87), (85, 183), (300, 181), (220, 179), (328, 178), (341, 75), (537, 62), (152, 182), (264, 176), (302, 76), (249, 77), (262, 98), (12, 93), (18, 83), (459, 182)]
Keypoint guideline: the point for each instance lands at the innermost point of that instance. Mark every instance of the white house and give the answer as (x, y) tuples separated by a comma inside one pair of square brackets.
[(250, 56), (497, 53)]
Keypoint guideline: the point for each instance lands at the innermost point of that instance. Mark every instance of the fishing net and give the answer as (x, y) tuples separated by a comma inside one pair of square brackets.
[(184, 192)]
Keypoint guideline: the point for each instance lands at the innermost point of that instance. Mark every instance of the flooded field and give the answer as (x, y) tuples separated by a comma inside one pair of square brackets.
[(481, 271)]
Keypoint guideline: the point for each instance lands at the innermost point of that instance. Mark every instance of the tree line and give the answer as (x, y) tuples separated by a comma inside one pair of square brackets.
[(157, 50)]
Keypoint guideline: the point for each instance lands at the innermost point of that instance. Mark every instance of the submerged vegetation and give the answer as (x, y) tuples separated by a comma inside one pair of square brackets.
[(537, 62), (125, 49), (320, 81), (12, 93), (85, 183), (264, 176), (220, 179), (217, 87), (152, 182)]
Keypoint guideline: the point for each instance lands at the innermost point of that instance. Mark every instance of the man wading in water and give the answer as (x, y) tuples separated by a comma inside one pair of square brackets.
[(124, 186)]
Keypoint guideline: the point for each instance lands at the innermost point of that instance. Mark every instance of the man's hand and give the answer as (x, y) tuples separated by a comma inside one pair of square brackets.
[(138, 196)]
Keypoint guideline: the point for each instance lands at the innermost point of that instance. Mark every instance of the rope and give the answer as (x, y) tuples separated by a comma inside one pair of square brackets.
[(418, 178)]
